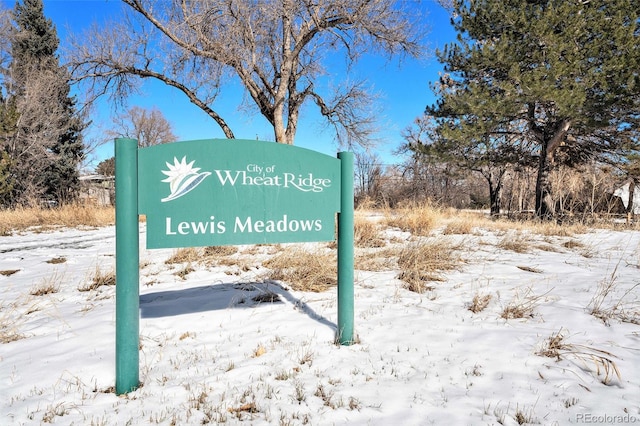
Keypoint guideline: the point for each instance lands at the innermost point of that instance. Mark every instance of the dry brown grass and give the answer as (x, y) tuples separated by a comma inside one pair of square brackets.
[(184, 255), (572, 244), (70, 216), (107, 278), (99, 279), (517, 311), (374, 262), (186, 270), (462, 227), (366, 233), (222, 256), (9, 326), (259, 351), (209, 256), (583, 249), (48, 285), (220, 251), (304, 270), (515, 241), (533, 226), (547, 247), (558, 230), (8, 333), (465, 222), (422, 219), (419, 220), (421, 263), (44, 288)]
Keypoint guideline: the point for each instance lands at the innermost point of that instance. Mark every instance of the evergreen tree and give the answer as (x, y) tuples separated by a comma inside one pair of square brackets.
[(7, 180), (8, 120), (61, 176), (45, 146), (561, 74), (107, 167), (36, 37)]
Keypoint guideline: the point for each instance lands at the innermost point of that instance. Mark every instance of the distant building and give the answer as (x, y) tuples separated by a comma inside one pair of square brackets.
[(98, 190), (623, 193)]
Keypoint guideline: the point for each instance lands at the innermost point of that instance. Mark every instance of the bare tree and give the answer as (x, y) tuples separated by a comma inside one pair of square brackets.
[(276, 49), (31, 141), (148, 127), (6, 29), (447, 4), (368, 171)]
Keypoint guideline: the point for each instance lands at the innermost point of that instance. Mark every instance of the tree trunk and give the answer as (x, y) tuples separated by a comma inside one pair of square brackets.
[(495, 194), (545, 208), (630, 206), (549, 143)]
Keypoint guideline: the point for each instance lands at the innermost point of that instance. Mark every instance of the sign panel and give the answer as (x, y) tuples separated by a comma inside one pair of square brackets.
[(224, 192)]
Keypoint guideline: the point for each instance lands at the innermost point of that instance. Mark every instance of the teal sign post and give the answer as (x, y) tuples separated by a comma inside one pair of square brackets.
[(225, 192)]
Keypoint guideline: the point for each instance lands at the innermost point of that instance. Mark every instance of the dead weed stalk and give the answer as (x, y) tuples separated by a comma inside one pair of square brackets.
[(523, 305), (99, 279), (605, 306), (48, 285), (605, 367), (479, 303), (9, 331)]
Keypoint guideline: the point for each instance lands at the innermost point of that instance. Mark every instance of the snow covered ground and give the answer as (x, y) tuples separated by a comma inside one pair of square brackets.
[(209, 353)]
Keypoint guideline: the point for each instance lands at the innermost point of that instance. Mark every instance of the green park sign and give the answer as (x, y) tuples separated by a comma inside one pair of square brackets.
[(220, 192), (225, 192)]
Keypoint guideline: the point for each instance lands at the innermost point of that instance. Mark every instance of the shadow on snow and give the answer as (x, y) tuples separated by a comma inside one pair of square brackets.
[(222, 296)]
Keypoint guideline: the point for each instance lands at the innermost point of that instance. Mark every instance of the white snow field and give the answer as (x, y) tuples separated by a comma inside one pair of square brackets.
[(557, 343)]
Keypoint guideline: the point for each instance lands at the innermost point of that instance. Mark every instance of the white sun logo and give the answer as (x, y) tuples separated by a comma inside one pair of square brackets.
[(182, 177)]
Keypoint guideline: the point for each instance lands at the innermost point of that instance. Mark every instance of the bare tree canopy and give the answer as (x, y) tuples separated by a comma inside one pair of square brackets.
[(277, 49), (5, 40), (148, 127)]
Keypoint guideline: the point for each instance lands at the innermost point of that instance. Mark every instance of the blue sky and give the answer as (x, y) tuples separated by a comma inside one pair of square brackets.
[(404, 90)]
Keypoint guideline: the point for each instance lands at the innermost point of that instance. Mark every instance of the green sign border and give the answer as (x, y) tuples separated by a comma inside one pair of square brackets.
[(128, 176)]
